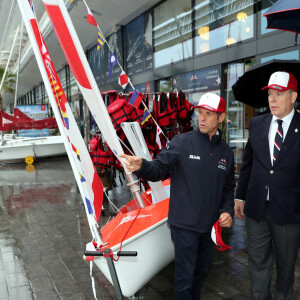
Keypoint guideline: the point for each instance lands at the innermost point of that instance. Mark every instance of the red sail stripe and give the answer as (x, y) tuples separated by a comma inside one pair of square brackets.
[(67, 44)]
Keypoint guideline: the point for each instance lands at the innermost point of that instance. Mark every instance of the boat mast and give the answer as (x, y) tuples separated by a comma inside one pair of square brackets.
[(6, 68), (18, 69), (9, 57)]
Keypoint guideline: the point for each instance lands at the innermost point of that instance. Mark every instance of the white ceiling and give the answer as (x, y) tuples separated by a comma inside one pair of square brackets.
[(108, 14)]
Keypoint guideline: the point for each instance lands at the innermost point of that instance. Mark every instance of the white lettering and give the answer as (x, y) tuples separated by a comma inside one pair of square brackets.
[(194, 157)]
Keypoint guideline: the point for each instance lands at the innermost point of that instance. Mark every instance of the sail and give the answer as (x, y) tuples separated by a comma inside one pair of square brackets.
[(87, 179), (81, 70)]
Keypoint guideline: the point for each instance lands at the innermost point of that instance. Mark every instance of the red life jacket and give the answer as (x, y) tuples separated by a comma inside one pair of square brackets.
[(94, 143), (119, 112), (113, 161), (99, 157), (149, 136), (136, 115), (181, 106), (160, 110), (171, 106)]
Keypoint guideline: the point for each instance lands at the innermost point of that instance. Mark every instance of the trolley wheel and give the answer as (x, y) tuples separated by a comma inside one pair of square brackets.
[(29, 160)]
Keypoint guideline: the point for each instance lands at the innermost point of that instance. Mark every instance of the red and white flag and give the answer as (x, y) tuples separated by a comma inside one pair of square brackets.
[(158, 132), (217, 237), (123, 80), (90, 18)]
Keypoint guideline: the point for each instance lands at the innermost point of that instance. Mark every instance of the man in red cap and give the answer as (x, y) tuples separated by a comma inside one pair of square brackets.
[(269, 190), (202, 187)]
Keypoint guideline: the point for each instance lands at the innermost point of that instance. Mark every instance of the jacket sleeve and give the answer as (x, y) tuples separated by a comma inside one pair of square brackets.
[(158, 168), (246, 169), (228, 190)]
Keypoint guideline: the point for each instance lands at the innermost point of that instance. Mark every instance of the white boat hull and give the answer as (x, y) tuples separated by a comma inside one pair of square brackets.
[(18, 149), (155, 250)]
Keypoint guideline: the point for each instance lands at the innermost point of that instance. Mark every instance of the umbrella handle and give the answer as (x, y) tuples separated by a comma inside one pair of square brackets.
[(296, 39)]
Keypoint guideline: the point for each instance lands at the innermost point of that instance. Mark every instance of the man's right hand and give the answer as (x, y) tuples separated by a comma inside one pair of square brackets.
[(239, 208), (133, 163)]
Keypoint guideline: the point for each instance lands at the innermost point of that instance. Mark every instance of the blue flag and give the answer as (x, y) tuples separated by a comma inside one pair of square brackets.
[(113, 60), (146, 116)]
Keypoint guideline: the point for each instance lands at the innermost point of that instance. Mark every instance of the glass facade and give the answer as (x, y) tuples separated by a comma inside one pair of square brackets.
[(220, 23), (138, 47), (172, 32)]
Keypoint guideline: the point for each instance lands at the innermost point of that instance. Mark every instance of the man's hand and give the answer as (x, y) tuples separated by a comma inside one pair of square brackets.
[(225, 219), (239, 208), (133, 163)]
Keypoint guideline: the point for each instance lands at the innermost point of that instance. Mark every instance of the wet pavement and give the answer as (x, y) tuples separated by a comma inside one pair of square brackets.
[(44, 230)]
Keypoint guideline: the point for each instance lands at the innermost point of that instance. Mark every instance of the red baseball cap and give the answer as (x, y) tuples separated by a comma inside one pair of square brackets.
[(282, 81), (217, 237), (212, 102)]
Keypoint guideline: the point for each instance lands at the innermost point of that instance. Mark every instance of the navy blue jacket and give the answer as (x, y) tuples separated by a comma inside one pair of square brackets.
[(282, 179), (202, 179)]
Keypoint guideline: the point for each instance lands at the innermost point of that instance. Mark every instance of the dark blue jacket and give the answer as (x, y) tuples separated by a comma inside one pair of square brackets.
[(202, 179), (282, 179)]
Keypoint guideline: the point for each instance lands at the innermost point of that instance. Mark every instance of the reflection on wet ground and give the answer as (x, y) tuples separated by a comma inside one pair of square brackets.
[(44, 230)]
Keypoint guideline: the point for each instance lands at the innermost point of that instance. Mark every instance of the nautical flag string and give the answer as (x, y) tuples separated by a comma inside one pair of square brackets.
[(123, 80), (100, 40), (135, 99), (90, 18), (112, 61), (158, 142), (146, 116)]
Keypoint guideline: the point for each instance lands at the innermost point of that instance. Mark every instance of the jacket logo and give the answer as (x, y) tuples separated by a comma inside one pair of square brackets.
[(194, 156), (222, 164)]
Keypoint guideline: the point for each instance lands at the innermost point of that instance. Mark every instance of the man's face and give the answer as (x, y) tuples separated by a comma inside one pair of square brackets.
[(208, 121), (281, 103)]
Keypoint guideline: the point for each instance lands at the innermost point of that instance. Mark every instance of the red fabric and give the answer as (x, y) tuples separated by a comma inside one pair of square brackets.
[(21, 121), (93, 143)]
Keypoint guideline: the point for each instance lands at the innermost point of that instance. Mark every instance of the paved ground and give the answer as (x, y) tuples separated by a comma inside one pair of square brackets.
[(43, 232)]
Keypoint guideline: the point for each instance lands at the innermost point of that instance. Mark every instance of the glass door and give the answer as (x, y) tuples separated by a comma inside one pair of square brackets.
[(238, 114)]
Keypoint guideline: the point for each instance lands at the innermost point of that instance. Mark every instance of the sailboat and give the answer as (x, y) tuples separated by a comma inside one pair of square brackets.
[(15, 148), (141, 225)]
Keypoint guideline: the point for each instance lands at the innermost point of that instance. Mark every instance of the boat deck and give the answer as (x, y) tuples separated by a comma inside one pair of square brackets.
[(44, 229)]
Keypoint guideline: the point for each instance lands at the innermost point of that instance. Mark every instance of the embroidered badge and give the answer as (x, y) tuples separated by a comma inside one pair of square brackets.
[(222, 164)]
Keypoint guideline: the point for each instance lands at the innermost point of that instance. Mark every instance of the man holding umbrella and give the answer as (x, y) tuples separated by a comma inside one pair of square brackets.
[(269, 190)]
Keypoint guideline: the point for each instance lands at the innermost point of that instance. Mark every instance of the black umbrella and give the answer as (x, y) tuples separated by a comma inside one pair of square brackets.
[(284, 15), (247, 89)]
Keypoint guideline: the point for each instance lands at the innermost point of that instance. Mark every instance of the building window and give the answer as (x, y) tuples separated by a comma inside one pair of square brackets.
[(138, 48), (172, 32), (265, 5), (220, 23), (164, 85)]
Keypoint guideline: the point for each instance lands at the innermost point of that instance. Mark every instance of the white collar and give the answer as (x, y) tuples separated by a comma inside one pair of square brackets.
[(287, 119)]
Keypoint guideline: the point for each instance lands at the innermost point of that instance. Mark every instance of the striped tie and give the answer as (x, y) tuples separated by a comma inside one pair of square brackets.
[(278, 140)]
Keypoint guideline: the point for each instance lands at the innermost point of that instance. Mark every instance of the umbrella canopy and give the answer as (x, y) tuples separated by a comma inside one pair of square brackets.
[(284, 15), (247, 89)]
